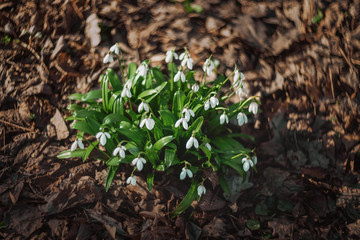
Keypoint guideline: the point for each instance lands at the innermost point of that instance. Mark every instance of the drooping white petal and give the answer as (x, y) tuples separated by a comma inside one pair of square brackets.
[(190, 143), (98, 135), (141, 107), (80, 144), (246, 166), (201, 190), (222, 118), (192, 113), (107, 134), (190, 63), (182, 77), (115, 49), (134, 161), (187, 114), (139, 165), (128, 181), (207, 105), (142, 123), (175, 55), (177, 124), (196, 143), (168, 56), (128, 93), (183, 174), (195, 87), (251, 162), (177, 76), (133, 181), (108, 58), (253, 107), (185, 124), (150, 123), (182, 56), (146, 107), (103, 139), (116, 151), (189, 173), (122, 153), (74, 146), (242, 119), (255, 160)]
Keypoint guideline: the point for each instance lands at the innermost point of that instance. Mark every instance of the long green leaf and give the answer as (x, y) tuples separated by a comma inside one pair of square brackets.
[(131, 70), (169, 157), (75, 96), (167, 117), (89, 149), (114, 79), (110, 177), (150, 181), (162, 142), (178, 102), (83, 126), (70, 154), (159, 77), (91, 96), (223, 184), (114, 117), (188, 199)]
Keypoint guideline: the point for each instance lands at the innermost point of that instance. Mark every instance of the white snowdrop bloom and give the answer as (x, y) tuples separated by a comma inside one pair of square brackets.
[(186, 60), (253, 107), (207, 105), (103, 137), (185, 172), (179, 76), (208, 146), (224, 118), (169, 55), (247, 163), (148, 122), (195, 87), (120, 150), (192, 142), (188, 112), (77, 143), (131, 180), (139, 162), (242, 119), (239, 77), (201, 190), (143, 106), (115, 49), (214, 102), (241, 92), (184, 123), (108, 59), (126, 92), (208, 66), (142, 71)]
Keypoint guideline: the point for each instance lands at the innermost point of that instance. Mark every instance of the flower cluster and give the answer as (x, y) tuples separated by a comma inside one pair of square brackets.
[(146, 121)]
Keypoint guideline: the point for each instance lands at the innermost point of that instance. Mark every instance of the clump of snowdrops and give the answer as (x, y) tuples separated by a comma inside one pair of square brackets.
[(164, 121)]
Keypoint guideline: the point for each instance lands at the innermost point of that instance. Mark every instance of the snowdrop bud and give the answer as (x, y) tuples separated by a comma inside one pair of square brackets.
[(189, 173), (77, 143), (208, 146), (207, 105), (168, 56), (108, 59), (192, 142), (195, 87), (179, 76), (183, 174), (143, 106), (253, 107), (224, 118), (103, 137), (131, 180), (214, 102), (201, 190)]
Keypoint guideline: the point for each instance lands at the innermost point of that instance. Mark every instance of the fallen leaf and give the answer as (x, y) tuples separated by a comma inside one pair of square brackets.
[(62, 131), (92, 30)]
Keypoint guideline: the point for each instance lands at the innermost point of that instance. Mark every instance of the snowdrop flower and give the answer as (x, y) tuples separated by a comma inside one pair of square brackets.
[(126, 92), (246, 164), (184, 123), (115, 49), (208, 66), (253, 107), (120, 150), (139, 162), (179, 76), (142, 71), (185, 172), (169, 55), (132, 180), (224, 118), (108, 58), (149, 122), (195, 87), (192, 142), (254, 159), (242, 119), (143, 106), (186, 60), (188, 112), (240, 92), (208, 146), (103, 137), (76, 143), (214, 102), (238, 78), (201, 190)]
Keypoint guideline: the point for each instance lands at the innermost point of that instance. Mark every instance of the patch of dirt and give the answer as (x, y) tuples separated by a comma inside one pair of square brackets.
[(301, 56)]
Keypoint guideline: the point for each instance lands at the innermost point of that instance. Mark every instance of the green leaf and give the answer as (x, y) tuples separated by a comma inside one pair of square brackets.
[(118, 106), (74, 107), (188, 199), (110, 177), (178, 102), (150, 181), (105, 92), (131, 70), (89, 150), (167, 117), (160, 167), (114, 80), (159, 77), (169, 157), (70, 154), (114, 117), (83, 127), (91, 96), (75, 96), (196, 126), (253, 224), (162, 142), (223, 183), (236, 166), (150, 94), (206, 151), (131, 133)]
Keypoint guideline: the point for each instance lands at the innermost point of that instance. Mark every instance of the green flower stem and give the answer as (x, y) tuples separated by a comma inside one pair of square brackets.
[(120, 65), (97, 148), (130, 104), (227, 79), (172, 79)]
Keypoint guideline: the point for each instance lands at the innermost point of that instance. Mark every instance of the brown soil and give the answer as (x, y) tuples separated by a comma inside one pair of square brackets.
[(301, 56)]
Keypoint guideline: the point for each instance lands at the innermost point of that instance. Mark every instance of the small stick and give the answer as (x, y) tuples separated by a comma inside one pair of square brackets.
[(35, 54), (17, 126)]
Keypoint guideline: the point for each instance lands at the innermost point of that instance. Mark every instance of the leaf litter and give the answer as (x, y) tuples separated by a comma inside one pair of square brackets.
[(301, 56)]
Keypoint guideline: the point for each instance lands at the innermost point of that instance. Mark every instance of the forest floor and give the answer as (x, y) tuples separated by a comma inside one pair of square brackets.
[(301, 56)]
